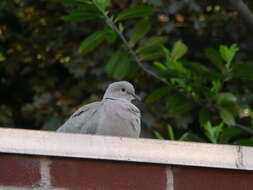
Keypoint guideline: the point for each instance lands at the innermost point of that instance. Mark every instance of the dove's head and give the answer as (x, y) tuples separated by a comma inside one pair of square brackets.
[(121, 89)]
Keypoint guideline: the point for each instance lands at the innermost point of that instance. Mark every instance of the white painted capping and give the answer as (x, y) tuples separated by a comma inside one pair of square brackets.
[(125, 149)]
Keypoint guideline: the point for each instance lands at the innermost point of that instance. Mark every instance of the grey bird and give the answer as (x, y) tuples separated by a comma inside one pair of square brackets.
[(115, 115)]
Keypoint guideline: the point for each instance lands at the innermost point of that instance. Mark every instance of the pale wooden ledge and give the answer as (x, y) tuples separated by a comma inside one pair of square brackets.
[(125, 149)]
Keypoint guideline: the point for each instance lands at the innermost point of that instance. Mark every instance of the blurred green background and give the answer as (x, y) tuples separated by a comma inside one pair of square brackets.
[(57, 55)]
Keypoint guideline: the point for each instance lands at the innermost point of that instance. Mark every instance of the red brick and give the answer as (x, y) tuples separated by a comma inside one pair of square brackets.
[(19, 170), (81, 174), (190, 178)]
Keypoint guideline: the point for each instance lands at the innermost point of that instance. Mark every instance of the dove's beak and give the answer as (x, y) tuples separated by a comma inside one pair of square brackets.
[(136, 98)]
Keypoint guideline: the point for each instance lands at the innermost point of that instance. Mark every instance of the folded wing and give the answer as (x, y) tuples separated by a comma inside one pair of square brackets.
[(84, 120)]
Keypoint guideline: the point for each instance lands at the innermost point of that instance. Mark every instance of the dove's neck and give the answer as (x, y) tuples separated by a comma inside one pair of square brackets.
[(113, 98), (109, 95), (110, 98)]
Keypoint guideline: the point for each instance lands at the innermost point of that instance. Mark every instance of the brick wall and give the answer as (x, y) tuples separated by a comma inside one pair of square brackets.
[(23, 172), (40, 160)]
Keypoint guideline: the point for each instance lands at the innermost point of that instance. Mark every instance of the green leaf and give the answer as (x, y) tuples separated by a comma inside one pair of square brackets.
[(135, 12), (115, 58), (151, 44), (229, 133), (243, 71), (160, 66), (216, 86), (179, 81), (184, 137), (228, 53), (225, 99), (120, 65), (2, 57), (227, 102), (103, 4), (86, 12), (122, 68), (178, 104), (121, 27), (79, 16), (92, 41), (215, 58), (196, 67), (179, 49), (152, 55), (152, 48), (201, 71), (140, 30), (166, 53), (176, 66), (111, 35), (190, 136), (204, 116), (170, 132), (227, 116), (158, 135), (158, 94), (244, 142), (213, 133), (133, 70)]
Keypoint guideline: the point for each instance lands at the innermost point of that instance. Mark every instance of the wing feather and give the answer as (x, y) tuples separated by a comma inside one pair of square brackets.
[(83, 120)]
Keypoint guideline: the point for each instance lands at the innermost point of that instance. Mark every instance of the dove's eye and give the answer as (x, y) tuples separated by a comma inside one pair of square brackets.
[(123, 89)]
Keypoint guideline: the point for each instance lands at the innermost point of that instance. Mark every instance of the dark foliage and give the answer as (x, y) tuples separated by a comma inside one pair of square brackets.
[(56, 56)]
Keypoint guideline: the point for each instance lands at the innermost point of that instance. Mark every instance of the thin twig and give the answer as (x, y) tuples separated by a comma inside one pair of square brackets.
[(245, 128), (131, 51), (244, 11)]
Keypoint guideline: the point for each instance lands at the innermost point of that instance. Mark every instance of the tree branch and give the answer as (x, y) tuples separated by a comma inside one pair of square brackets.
[(141, 65), (138, 61), (244, 11), (244, 128), (130, 50)]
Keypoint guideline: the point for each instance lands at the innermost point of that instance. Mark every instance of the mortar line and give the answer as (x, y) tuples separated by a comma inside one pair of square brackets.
[(170, 178), (45, 173)]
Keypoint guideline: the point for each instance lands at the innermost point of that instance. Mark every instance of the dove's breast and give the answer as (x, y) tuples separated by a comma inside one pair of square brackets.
[(119, 118)]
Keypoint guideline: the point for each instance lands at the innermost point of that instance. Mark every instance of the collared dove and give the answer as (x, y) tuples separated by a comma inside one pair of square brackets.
[(115, 115)]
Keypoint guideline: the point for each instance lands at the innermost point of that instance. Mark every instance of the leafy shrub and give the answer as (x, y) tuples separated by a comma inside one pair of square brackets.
[(206, 91), (196, 85)]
